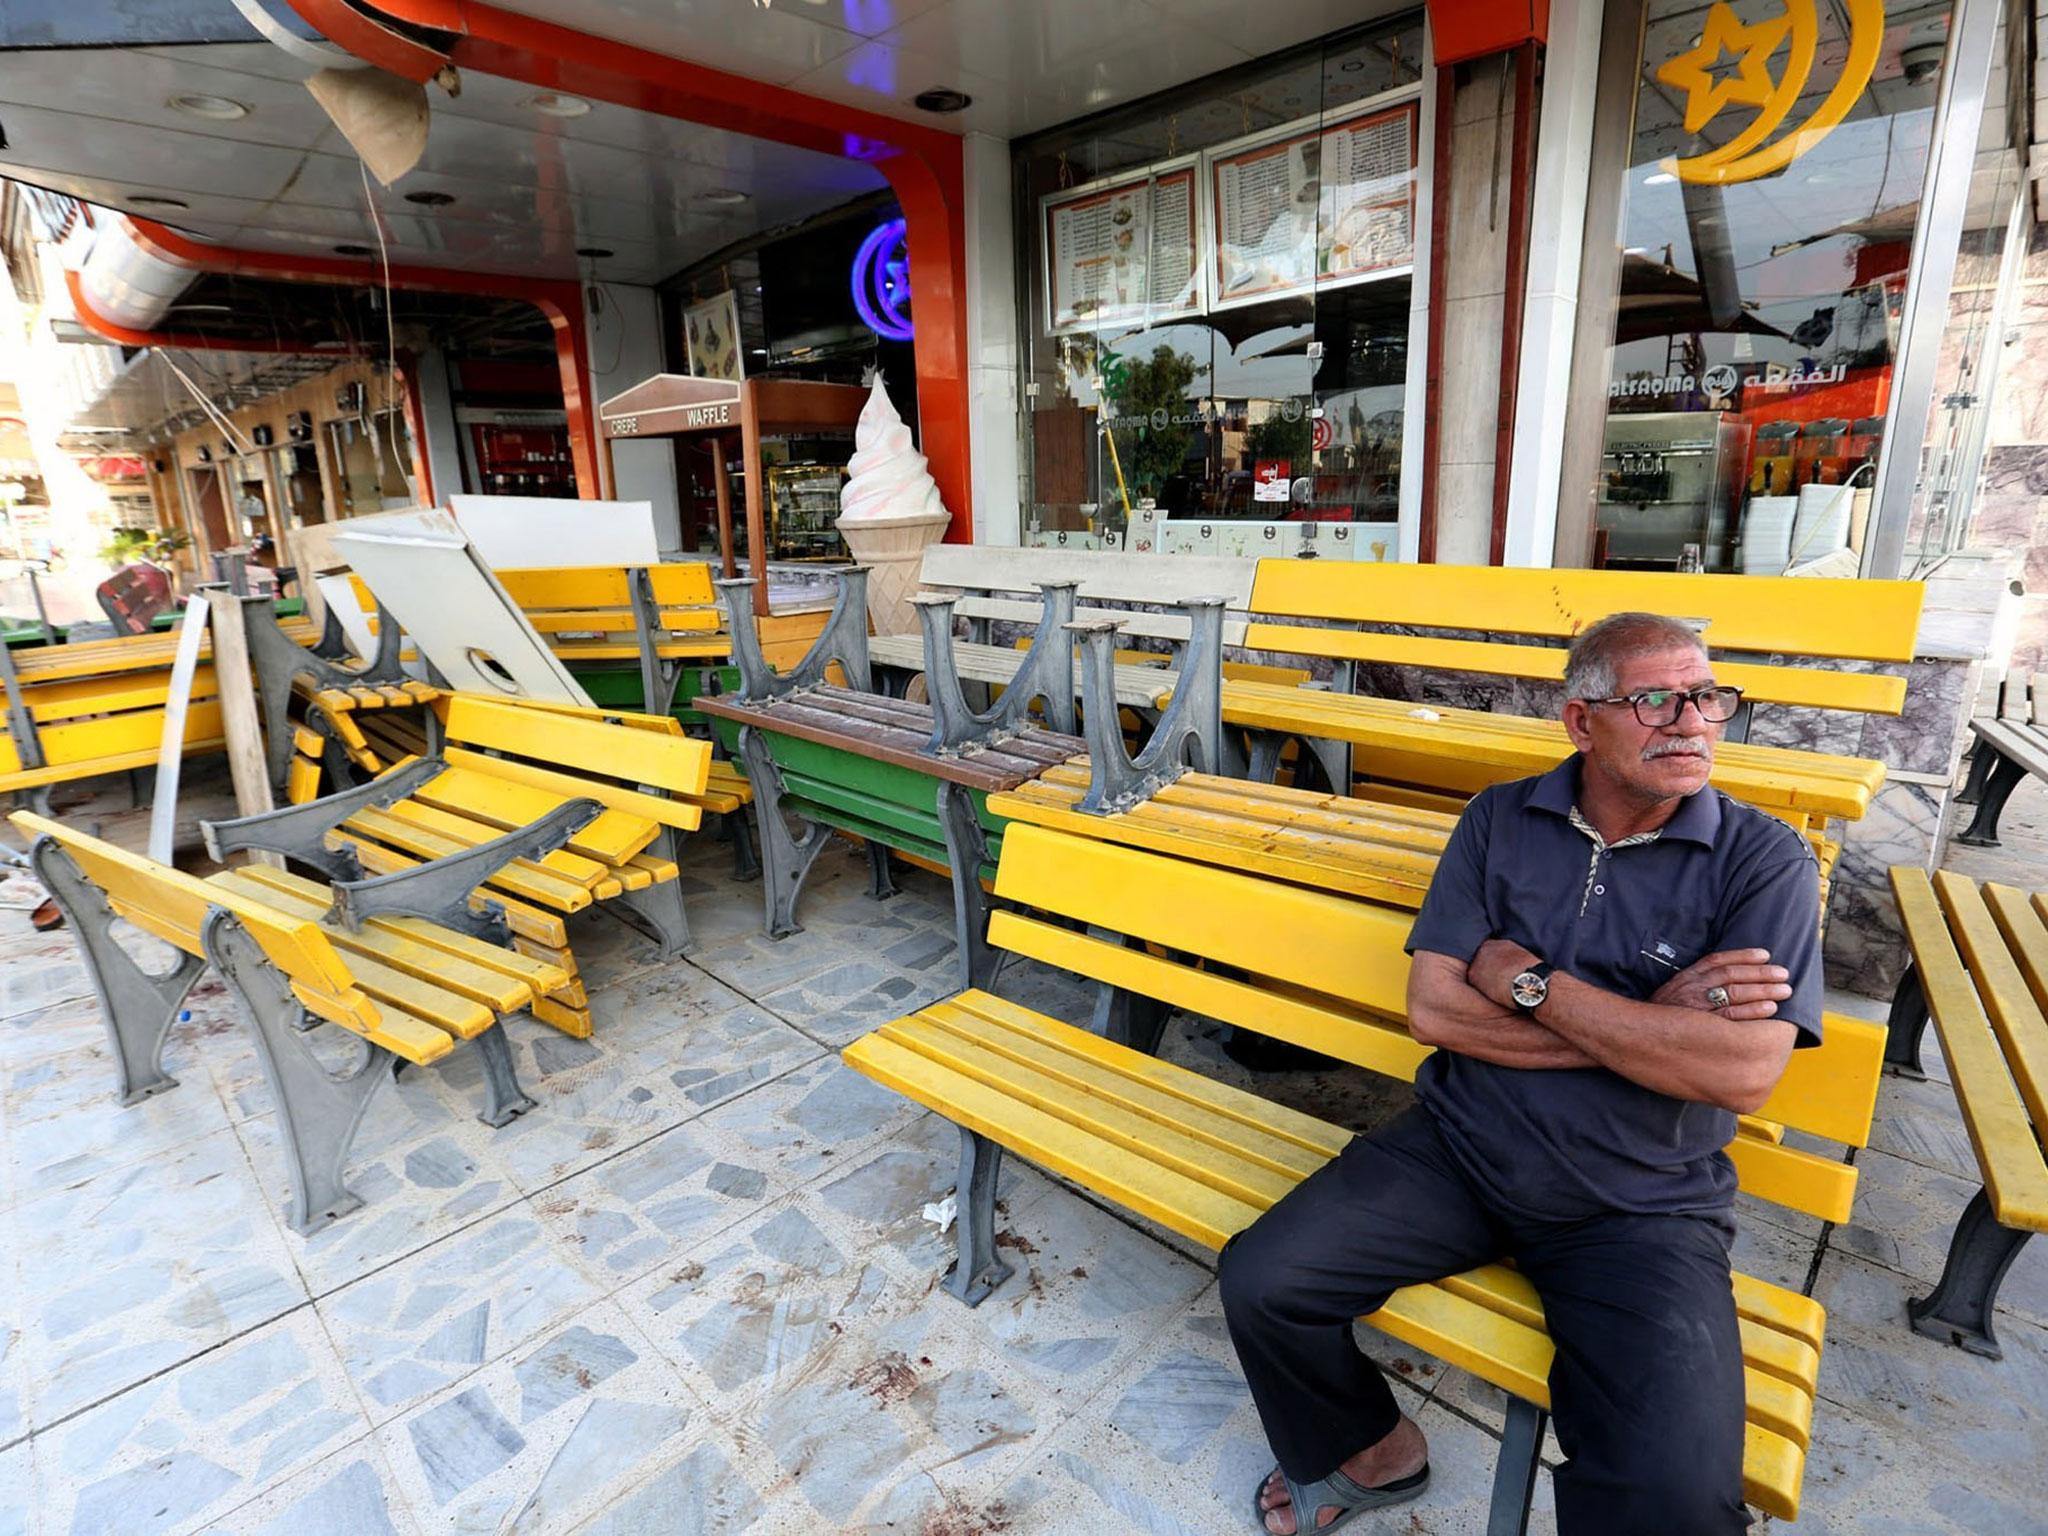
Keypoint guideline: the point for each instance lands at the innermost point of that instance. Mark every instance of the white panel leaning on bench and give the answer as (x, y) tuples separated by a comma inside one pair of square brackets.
[(423, 568), (514, 532)]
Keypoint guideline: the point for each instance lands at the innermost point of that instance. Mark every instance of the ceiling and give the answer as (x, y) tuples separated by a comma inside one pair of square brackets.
[(528, 189), (1028, 64), (147, 397)]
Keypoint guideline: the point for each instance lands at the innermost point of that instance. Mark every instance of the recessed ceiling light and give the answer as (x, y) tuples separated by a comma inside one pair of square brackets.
[(725, 197), (153, 200), (1635, 250), (353, 250), (558, 104), (594, 252), (1662, 178), (218, 109), (942, 99), (430, 199)]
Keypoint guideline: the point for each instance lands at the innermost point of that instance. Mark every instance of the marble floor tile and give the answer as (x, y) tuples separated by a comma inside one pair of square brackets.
[(655, 1202), (781, 1297), (17, 1489), (174, 1451), (1989, 1418), (543, 1439), (700, 1492), (811, 1120), (423, 1166), (41, 969), (427, 1322), (1905, 1216), (350, 1492), (65, 1124), (144, 1267), (840, 1005), (1917, 1119), (49, 1030), (607, 951)]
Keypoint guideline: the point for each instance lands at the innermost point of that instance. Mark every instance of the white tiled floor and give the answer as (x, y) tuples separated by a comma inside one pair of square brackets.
[(693, 1292)]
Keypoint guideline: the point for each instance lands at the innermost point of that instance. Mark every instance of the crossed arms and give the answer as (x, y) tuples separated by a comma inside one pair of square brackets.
[(1674, 1043)]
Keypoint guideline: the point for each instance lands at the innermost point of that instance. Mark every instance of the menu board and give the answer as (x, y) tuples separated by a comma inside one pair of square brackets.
[(1123, 253), (1329, 206)]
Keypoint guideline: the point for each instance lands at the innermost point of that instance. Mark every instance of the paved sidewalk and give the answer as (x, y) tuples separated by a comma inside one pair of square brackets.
[(694, 1291)]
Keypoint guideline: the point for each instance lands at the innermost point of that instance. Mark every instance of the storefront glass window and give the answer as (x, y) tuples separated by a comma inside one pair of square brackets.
[(1772, 195), (1218, 309)]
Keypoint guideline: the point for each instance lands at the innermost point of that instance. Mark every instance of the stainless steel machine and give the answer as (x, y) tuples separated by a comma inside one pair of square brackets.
[(1671, 479)]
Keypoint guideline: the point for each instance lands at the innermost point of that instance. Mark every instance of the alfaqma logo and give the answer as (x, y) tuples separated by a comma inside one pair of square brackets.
[(1711, 86)]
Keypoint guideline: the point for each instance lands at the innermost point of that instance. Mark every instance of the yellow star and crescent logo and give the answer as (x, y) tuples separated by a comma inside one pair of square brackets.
[(1711, 87)]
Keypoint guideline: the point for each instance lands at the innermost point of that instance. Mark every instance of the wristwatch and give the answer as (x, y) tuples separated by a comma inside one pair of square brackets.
[(1532, 987)]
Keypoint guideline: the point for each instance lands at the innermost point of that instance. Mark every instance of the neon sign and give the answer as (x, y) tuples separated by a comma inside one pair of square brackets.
[(881, 281)]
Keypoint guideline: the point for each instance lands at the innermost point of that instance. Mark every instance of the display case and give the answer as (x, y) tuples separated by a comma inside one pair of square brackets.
[(803, 504)]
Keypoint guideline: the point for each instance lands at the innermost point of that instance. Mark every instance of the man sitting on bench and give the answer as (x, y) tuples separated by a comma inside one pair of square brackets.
[(1613, 961)]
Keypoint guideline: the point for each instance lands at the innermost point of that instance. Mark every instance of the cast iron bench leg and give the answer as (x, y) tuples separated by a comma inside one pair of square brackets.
[(1907, 1024), (1514, 1473), (977, 1271), (2005, 777), (966, 853), (1127, 1017), (138, 1008), (1972, 791), (504, 1100), (657, 910), (1958, 1310), (881, 879), (317, 1110), (746, 863), (786, 856)]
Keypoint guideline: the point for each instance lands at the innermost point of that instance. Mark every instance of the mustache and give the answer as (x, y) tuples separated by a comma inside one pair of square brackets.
[(1676, 746)]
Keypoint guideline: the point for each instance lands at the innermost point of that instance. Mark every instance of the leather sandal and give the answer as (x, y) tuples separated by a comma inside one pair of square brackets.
[(1335, 1492)]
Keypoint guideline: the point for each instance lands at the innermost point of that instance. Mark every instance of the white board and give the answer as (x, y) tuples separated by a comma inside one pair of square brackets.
[(452, 608), (339, 594), (515, 532)]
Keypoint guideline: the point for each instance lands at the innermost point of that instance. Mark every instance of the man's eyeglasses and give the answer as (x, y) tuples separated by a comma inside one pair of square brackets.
[(1663, 706)]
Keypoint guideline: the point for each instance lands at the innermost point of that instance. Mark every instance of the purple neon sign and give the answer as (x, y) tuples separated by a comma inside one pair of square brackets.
[(881, 281)]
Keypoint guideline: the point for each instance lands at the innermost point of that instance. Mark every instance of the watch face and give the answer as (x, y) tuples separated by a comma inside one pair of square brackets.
[(1530, 989)]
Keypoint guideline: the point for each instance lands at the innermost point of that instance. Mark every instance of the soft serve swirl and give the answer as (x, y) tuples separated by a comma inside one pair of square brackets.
[(887, 481)]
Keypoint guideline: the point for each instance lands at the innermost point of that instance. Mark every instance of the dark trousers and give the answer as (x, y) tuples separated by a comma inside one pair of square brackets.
[(1646, 1389)]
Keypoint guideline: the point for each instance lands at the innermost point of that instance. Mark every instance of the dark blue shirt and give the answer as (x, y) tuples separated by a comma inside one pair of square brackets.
[(1523, 866)]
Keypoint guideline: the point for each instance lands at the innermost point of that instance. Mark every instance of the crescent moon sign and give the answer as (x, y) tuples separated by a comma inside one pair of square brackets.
[(1748, 156)]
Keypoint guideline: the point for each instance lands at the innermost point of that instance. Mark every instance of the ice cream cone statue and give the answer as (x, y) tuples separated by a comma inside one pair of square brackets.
[(889, 511)]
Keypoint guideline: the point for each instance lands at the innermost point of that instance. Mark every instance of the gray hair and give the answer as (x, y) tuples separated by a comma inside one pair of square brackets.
[(1596, 657)]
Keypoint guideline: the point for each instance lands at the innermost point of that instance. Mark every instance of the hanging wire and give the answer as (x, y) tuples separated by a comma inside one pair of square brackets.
[(390, 329)]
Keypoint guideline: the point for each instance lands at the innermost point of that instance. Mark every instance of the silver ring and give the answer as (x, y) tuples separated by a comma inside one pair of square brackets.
[(1717, 997)]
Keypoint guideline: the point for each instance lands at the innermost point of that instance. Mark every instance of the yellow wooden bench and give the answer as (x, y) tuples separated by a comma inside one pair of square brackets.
[(76, 711), (1324, 971), (1980, 970), (294, 953), (498, 768), (1440, 749)]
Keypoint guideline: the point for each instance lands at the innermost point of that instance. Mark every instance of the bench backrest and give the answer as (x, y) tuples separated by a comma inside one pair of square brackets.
[(581, 752), (598, 599), (1764, 615), (1327, 972), (1106, 576), (173, 905)]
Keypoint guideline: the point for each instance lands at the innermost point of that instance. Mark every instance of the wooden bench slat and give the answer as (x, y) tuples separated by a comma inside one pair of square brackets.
[(1041, 1055), (2001, 1132), (506, 805), (1865, 620), (680, 814), (2002, 989), (501, 988), (470, 832), (541, 975), (1873, 693), (383, 853), (392, 1027), (678, 764), (1185, 1205), (521, 877), (2025, 926)]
